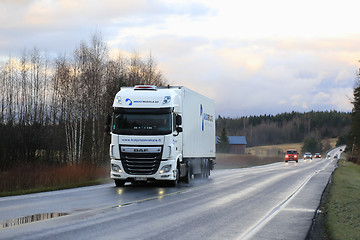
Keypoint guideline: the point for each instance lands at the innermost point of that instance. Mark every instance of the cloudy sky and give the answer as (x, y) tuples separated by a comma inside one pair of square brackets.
[(253, 57)]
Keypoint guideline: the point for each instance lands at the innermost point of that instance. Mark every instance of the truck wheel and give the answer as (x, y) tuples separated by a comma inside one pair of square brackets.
[(207, 171), (204, 169), (119, 183), (187, 178)]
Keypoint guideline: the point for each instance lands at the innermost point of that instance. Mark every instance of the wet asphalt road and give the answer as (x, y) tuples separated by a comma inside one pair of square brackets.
[(276, 201)]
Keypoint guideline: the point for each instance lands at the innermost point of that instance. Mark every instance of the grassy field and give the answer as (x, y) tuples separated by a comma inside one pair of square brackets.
[(280, 149), (342, 203), (255, 156), (273, 150)]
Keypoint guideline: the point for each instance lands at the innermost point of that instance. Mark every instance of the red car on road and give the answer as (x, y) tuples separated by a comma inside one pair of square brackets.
[(291, 155)]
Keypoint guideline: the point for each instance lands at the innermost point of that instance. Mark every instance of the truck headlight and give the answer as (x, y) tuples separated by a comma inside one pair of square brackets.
[(116, 168), (165, 169)]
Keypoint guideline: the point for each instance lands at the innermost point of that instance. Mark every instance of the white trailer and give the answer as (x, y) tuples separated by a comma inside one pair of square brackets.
[(161, 133)]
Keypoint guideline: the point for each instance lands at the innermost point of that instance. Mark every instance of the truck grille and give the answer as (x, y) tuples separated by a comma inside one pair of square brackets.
[(140, 163)]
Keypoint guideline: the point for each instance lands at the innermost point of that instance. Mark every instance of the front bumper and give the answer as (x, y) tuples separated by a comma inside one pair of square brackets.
[(121, 174)]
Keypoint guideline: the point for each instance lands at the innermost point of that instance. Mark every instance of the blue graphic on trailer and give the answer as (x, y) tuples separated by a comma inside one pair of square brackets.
[(129, 100), (205, 117), (202, 117)]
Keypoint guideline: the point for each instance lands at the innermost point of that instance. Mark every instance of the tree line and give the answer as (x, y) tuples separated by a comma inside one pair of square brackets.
[(353, 138), (52, 109), (286, 127)]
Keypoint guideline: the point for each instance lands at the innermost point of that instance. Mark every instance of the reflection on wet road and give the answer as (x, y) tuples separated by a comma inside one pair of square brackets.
[(30, 219)]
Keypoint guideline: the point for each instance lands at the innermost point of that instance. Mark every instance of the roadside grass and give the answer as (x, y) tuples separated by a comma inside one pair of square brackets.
[(31, 179), (48, 189), (342, 204)]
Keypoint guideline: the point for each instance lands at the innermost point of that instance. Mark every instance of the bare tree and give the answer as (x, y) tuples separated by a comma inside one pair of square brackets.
[(66, 92), (143, 71), (90, 61), (59, 116)]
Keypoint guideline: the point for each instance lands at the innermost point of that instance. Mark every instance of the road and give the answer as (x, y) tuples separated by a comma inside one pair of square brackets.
[(276, 201)]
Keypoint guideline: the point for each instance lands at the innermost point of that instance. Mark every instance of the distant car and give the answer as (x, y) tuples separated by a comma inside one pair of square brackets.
[(328, 156), (307, 155), (317, 155), (336, 156), (291, 155)]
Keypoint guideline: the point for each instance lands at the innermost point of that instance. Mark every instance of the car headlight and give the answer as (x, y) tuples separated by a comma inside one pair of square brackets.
[(165, 169), (116, 168)]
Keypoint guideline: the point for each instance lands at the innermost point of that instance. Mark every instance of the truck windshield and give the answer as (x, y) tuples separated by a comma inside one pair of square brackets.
[(142, 123)]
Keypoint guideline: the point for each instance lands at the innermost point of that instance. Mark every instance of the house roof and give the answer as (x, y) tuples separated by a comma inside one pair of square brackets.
[(237, 140), (234, 140)]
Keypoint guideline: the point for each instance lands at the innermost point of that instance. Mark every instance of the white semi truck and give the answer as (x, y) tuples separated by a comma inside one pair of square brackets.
[(161, 134)]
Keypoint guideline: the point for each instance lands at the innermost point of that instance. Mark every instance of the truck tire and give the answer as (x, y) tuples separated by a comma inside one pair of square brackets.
[(207, 170), (187, 178), (119, 183)]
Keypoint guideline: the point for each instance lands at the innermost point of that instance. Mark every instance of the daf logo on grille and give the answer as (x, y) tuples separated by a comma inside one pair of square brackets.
[(129, 149), (141, 150)]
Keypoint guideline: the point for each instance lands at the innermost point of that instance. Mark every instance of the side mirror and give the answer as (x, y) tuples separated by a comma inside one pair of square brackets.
[(178, 120), (178, 130), (107, 119)]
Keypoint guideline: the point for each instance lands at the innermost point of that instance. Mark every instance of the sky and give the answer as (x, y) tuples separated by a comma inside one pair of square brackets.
[(253, 57)]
